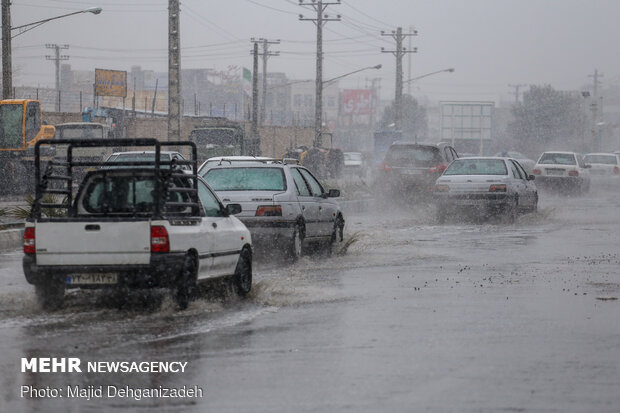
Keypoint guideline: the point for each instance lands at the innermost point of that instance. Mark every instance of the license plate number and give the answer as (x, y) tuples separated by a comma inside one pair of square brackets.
[(94, 278), (555, 172)]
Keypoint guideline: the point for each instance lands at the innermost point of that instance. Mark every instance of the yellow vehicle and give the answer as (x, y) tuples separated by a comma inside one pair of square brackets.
[(20, 128)]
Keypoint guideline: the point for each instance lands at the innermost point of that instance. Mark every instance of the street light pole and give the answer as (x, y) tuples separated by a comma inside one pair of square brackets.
[(7, 63), (351, 73), (429, 74)]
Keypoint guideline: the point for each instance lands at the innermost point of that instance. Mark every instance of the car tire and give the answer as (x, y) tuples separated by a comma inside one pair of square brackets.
[(185, 286), (534, 208), (337, 231), (295, 248), (50, 295), (242, 280)]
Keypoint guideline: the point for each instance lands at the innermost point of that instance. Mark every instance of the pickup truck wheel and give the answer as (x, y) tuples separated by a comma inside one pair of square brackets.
[(296, 243), (50, 295), (243, 273), (186, 282)]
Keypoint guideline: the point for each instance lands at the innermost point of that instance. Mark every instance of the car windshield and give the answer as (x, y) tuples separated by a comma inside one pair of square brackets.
[(604, 159), (406, 155), (557, 158), (477, 167), (246, 179)]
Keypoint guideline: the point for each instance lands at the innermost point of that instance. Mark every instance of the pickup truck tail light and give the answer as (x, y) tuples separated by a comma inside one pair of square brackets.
[(616, 170), (537, 171), (159, 239), (573, 173), (438, 168), (29, 241), (497, 188), (269, 211)]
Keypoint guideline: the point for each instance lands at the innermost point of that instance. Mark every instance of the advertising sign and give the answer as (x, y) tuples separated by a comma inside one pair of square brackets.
[(356, 101), (110, 83)]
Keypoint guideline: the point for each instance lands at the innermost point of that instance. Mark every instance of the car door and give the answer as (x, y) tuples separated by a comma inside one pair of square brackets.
[(526, 194), (309, 208), (326, 207), (223, 231)]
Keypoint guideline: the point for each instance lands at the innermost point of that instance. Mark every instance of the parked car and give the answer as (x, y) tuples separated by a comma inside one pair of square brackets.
[(148, 157), (524, 161), (412, 168), (603, 164), (282, 204), (488, 185), (229, 160), (562, 171)]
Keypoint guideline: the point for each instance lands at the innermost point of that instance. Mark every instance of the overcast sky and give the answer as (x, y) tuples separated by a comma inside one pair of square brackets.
[(490, 43)]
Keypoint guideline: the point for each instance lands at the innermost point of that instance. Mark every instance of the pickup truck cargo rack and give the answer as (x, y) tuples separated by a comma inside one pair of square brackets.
[(57, 177)]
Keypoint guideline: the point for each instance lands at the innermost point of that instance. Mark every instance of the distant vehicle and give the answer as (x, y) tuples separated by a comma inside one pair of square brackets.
[(562, 171), (282, 204), (487, 185), (412, 168), (82, 130), (229, 160), (147, 158), (21, 128), (222, 137), (136, 227), (603, 164), (526, 163), (382, 141), (353, 163)]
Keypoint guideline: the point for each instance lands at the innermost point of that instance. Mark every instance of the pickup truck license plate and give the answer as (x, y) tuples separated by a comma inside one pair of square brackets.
[(94, 278)]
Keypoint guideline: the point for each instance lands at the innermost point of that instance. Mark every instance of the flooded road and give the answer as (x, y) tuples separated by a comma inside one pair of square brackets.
[(413, 316)]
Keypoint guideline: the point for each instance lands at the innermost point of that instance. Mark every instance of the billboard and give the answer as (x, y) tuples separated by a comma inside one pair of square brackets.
[(110, 83), (468, 126), (357, 101)]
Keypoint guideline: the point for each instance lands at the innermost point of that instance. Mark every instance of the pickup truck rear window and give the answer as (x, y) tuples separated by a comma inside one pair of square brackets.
[(120, 194)]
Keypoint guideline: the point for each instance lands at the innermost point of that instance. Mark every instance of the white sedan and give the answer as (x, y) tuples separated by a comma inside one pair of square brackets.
[(486, 185), (562, 171)]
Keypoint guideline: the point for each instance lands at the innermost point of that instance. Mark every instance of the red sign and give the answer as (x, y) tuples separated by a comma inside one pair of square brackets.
[(356, 101)]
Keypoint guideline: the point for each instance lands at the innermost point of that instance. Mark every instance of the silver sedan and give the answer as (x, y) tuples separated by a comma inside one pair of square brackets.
[(486, 185)]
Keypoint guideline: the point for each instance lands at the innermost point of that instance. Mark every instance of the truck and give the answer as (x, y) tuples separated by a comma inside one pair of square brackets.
[(135, 224), (222, 137), (21, 128)]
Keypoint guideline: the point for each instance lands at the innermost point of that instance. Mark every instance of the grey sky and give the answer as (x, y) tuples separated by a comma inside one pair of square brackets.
[(491, 43)]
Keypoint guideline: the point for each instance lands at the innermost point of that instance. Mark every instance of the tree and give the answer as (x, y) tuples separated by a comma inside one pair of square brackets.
[(414, 123), (548, 117)]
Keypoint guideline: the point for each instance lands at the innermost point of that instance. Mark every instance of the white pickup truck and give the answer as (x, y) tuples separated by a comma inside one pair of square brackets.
[(131, 225)]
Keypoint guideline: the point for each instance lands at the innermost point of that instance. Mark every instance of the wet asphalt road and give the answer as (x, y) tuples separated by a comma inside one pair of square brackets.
[(462, 317)]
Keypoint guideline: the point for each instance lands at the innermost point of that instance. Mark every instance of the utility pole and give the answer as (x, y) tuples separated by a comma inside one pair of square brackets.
[(265, 54), (517, 87), (57, 58), (320, 20), (594, 106), (7, 69), (411, 30), (255, 146), (400, 51), (174, 72)]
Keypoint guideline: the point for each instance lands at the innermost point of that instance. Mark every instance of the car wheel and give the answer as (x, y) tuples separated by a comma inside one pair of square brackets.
[(242, 280), (186, 282), (337, 232), (296, 243), (534, 208), (50, 295)]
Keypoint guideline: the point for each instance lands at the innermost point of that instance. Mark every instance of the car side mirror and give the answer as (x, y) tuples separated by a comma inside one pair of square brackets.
[(233, 209), (531, 177), (333, 193)]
